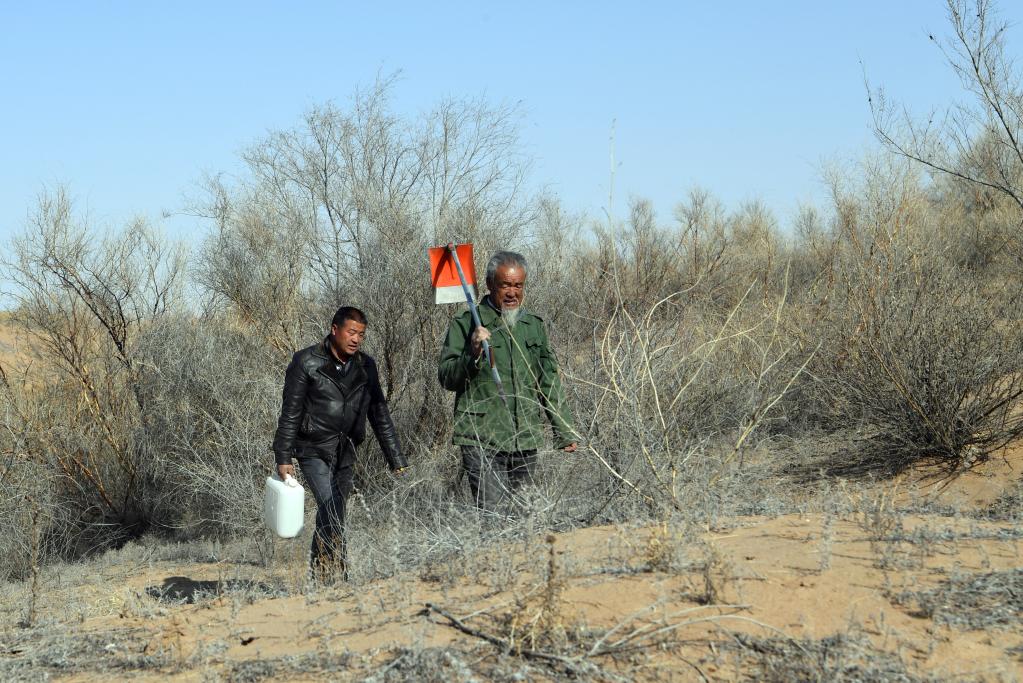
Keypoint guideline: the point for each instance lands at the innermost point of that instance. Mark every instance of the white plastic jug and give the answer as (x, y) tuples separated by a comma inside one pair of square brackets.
[(284, 506)]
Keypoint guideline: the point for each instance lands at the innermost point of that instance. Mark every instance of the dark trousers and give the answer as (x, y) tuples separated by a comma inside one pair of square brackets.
[(331, 485), (495, 476)]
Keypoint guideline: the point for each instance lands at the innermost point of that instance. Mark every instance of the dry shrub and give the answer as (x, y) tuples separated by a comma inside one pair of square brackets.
[(206, 425), (73, 412), (436, 665), (665, 383), (36, 528), (537, 621), (926, 372), (716, 572), (1009, 505), (55, 651), (973, 601), (919, 360), (841, 658)]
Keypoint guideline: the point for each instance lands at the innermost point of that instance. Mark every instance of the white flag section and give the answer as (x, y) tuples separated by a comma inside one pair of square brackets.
[(450, 295)]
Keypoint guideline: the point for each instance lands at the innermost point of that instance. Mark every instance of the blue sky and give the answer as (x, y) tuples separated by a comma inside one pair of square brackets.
[(130, 103)]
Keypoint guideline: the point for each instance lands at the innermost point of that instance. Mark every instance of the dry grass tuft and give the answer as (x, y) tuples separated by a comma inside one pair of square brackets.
[(842, 658), (54, 651), (973, 601)]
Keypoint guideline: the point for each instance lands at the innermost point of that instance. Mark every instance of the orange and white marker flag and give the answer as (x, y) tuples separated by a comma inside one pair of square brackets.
[(447, 287)]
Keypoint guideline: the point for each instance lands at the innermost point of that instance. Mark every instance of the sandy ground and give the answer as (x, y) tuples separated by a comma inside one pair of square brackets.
[(771, 567), (670, 601), (9, 341), (16, 348)]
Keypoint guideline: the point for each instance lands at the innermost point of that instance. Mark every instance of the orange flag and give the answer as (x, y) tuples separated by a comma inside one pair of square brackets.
[(447, 288)]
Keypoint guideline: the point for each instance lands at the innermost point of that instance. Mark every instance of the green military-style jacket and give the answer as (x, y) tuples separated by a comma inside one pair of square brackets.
[(529, 373)]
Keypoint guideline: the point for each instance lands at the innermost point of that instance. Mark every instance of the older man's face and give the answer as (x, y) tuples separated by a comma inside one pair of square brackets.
[(509, 284)]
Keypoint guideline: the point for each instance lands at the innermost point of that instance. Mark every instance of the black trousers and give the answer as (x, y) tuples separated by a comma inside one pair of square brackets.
[(331, 485), (496, 476)]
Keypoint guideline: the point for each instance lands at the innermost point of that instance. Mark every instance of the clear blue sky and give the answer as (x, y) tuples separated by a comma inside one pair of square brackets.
[(131, 102)]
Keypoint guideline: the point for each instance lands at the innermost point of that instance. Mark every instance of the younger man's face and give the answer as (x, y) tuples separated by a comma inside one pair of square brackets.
[(347, 338)]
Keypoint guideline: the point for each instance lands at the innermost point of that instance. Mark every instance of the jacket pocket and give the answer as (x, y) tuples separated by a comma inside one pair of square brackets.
[(537, 355), (472, 423)]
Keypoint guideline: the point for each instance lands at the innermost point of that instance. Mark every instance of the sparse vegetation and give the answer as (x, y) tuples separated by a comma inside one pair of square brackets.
[(843, 657), (718, 368), (974, 601)]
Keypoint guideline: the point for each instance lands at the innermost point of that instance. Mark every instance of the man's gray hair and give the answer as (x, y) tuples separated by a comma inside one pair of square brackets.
[(504, 258)]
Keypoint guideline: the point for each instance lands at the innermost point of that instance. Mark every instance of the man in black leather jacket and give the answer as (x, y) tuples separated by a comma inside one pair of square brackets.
[(330, 389)]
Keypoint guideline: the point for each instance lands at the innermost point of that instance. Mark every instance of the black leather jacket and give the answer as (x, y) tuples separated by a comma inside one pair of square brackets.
[(324, 411)]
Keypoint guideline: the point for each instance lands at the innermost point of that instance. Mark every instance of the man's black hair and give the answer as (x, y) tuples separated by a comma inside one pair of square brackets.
[(349, 313)]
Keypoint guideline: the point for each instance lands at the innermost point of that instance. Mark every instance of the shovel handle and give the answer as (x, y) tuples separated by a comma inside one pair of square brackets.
[(477, 323)]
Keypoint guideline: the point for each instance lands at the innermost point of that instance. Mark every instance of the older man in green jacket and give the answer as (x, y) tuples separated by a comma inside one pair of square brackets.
[(499, 439)]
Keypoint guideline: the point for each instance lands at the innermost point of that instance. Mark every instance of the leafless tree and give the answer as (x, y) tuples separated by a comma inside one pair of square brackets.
[(979, 141), (919, 359), (86, 300), (342, 208)]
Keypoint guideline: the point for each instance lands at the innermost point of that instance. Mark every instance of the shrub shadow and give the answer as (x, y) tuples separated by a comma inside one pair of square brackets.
[(181, 589)]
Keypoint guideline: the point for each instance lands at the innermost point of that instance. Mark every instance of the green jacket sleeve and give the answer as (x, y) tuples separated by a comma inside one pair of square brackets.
[(457, 364), (552, 395)]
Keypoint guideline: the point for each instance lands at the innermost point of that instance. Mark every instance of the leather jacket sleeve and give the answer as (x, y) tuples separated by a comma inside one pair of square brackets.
[(295, 382), (383, 425)]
